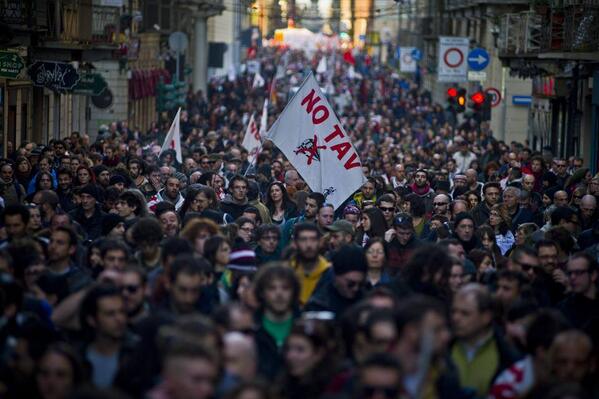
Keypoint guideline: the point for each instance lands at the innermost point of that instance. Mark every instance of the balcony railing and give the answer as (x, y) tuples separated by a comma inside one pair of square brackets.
[(565, 26), (105, 25)]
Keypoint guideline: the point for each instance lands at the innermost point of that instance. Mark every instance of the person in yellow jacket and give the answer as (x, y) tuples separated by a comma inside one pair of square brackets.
[(308, 264)]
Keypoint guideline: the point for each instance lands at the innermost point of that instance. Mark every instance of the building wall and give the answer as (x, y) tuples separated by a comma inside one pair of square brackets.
[(221, 28), (119, 85)]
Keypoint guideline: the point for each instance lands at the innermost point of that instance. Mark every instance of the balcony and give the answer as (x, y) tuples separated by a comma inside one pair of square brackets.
[(565, 27), (24, 15), (455, 5), (83, 24)]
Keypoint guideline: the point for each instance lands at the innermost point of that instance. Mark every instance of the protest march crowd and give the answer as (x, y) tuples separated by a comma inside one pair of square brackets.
[(460, 267)]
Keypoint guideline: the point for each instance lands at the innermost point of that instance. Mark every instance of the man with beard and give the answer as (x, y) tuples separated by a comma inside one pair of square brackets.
[(170, 193), (277, 291), (89, 214), (308, 264), (65, 189), (422, 188), (491, 194), (133, 288), (312, 205)]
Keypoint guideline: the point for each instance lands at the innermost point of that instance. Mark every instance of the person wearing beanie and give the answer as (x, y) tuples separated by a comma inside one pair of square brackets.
[(119, 182), (113, 226), (89, 213), (344, 289)]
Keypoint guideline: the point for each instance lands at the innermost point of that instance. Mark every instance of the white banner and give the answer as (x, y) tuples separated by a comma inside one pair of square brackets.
[(172, 140), (453, 66), (310, 135), (258, 81), (251, 141), (406, 62)]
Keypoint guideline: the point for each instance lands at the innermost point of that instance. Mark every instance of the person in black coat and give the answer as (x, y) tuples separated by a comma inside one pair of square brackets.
[(345, 288)]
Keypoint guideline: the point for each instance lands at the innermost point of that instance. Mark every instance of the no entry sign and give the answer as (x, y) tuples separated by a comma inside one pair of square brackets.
[(452, 59)]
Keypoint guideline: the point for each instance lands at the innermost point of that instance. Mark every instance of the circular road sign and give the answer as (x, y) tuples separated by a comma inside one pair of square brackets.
[(407, 58), (453, 57), (177, 41), (495, 96)]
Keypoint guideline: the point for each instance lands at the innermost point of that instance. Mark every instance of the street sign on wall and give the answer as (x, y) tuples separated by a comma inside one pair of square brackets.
[(57, 76), (11, 65), (452, 59), (495, 96), (478, 59), (407, 63)]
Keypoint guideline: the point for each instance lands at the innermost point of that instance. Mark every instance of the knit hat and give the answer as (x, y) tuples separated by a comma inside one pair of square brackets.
[(242, 259), (117, 179), (92, 190), (403, 220), (110, 221), (462, 216), (349, 258)]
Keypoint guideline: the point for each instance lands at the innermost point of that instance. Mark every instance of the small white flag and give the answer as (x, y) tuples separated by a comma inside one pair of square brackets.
[(258, 81), (252, 141), (173, 138), (322, 65), (264, 120), (312, 138)]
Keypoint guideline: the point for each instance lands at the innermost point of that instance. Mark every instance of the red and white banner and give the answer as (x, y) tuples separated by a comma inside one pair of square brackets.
[(310, 135), (173, 138), (251, 141)]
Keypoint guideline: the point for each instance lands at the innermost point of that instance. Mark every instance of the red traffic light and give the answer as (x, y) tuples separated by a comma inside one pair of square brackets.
[(452, 92), (478, 98)]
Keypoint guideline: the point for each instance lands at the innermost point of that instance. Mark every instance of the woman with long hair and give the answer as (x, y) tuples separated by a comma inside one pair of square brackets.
[(473, 199), (483, 263), (44, 166), (280, 206), (197, 231), (376, 257), (216, 251), (310, 359), (417, 209), (486, 236), (372, 225), (501, 222), (23, 171)]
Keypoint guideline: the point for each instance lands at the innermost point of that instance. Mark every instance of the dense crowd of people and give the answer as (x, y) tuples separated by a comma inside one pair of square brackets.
[(465, 267)]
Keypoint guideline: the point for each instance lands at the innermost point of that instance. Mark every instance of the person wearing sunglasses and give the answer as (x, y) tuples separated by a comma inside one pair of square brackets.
[(345, 288), (386, 203), (133, 288), (379, 377), (582, 303)]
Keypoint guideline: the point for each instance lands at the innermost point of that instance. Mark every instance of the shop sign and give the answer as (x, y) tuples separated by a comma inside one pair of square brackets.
[(11, 65), (90, 84), (57, 76)]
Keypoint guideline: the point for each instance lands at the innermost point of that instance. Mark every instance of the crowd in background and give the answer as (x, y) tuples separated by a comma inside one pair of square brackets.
[(465, 267)]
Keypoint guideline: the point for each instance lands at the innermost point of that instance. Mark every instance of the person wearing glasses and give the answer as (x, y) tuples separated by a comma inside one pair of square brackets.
[(582, 303)]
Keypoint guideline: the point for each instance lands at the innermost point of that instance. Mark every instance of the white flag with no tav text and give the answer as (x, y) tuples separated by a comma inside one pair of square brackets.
[(311, 136)]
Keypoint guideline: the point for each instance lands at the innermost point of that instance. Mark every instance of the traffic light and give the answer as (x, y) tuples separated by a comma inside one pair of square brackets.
[(486, 108), (461, 101), (170, 96), (452, 92)]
